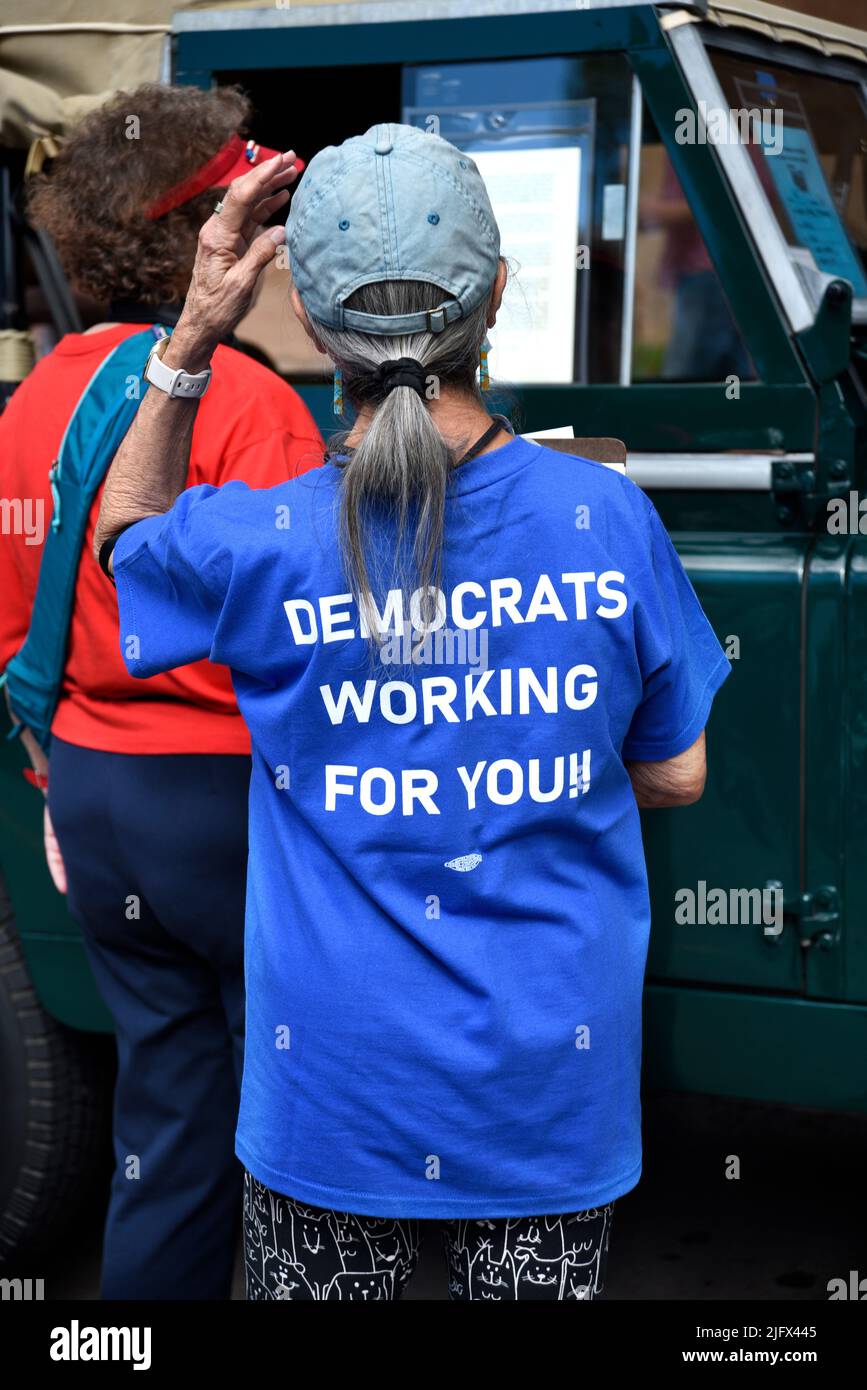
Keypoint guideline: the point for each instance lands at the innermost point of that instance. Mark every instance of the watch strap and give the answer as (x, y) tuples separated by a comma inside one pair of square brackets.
[(174, 380)]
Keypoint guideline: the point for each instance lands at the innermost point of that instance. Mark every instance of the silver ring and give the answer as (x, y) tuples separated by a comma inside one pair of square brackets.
[(218, 208)]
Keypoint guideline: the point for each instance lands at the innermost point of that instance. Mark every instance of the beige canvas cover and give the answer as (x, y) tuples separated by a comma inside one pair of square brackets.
[(838, 31), (59, 58)]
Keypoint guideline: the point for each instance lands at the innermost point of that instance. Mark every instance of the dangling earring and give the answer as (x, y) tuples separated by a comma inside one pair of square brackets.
[(484, 374), (338, 391)]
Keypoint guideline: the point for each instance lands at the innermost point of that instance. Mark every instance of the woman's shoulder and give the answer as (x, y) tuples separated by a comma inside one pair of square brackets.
[(243, 374), (557, 473), (243, 389)]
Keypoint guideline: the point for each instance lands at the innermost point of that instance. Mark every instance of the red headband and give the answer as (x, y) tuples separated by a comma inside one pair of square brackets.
[(225, 165)]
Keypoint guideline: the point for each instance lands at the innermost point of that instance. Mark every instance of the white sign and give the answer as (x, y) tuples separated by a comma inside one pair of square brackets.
[(535, 194)]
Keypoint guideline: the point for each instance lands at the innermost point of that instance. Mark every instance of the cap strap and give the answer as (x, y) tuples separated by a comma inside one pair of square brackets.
[(390, 325)]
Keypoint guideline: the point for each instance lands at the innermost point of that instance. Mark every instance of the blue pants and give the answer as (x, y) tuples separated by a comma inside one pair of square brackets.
[(155, 849)]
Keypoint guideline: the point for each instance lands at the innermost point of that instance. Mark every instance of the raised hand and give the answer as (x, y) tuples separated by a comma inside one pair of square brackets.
[(234, 248)]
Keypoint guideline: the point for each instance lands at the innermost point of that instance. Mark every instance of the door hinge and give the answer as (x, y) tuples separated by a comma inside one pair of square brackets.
[(816, 916), (803, 489)]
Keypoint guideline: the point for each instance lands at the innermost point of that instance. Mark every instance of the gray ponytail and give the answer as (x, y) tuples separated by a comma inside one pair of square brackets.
[(400, 468)]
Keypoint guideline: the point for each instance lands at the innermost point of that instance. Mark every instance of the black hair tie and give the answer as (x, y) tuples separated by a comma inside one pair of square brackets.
[(403, 371)]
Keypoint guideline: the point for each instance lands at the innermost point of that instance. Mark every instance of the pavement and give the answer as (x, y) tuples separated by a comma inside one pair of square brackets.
[(795, 1218)]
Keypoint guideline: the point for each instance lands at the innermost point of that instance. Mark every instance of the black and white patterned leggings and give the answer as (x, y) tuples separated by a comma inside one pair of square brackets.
[(295, 1251)]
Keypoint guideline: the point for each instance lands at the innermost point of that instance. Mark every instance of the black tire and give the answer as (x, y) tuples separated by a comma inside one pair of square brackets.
[(55, 1091)]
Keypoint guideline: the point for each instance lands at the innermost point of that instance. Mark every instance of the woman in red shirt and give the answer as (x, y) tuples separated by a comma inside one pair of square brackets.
[(148, 781)]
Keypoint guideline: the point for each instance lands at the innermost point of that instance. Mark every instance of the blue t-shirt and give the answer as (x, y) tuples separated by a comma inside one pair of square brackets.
[(447, 905)]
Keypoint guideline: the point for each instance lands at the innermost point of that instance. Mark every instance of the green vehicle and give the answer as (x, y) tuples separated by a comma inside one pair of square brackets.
[(693, 180)]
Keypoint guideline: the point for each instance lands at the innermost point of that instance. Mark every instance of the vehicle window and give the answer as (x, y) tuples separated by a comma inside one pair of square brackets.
[(811, 158), (551, 138), (683, 327)]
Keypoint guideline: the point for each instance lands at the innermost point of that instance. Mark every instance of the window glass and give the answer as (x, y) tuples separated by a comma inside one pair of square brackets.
[(550, 137), (811, 158), (683, 327)]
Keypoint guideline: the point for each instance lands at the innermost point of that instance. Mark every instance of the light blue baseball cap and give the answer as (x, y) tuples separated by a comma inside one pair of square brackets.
[(393, 204)]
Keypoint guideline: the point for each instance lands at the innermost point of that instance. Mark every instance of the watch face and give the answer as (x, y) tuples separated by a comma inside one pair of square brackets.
[(163, 378)]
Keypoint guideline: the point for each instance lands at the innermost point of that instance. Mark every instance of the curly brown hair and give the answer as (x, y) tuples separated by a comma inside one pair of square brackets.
[(110, 169)]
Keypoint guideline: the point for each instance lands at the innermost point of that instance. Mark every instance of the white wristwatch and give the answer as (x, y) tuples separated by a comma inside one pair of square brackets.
[(174, 381)]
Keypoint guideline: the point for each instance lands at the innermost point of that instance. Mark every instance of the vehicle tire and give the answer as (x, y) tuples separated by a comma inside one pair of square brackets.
[(55, 1092)]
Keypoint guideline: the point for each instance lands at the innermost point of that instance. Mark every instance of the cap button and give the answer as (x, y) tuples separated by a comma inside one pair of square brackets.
[(384, 145)]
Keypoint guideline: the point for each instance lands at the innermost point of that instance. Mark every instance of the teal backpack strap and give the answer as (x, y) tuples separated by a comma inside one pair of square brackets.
[(94, 434)]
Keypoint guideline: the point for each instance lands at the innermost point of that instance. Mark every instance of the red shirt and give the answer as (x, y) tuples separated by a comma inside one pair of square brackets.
[(250, 425)]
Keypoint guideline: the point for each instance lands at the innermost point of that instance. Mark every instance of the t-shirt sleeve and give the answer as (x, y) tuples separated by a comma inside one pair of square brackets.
[(172, 574), (681, 661)]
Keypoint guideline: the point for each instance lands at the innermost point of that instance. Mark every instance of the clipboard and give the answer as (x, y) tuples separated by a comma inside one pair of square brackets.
[(603, 449)]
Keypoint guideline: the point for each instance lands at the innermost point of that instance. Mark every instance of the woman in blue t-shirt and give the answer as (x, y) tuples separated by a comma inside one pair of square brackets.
[(465, 661)]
